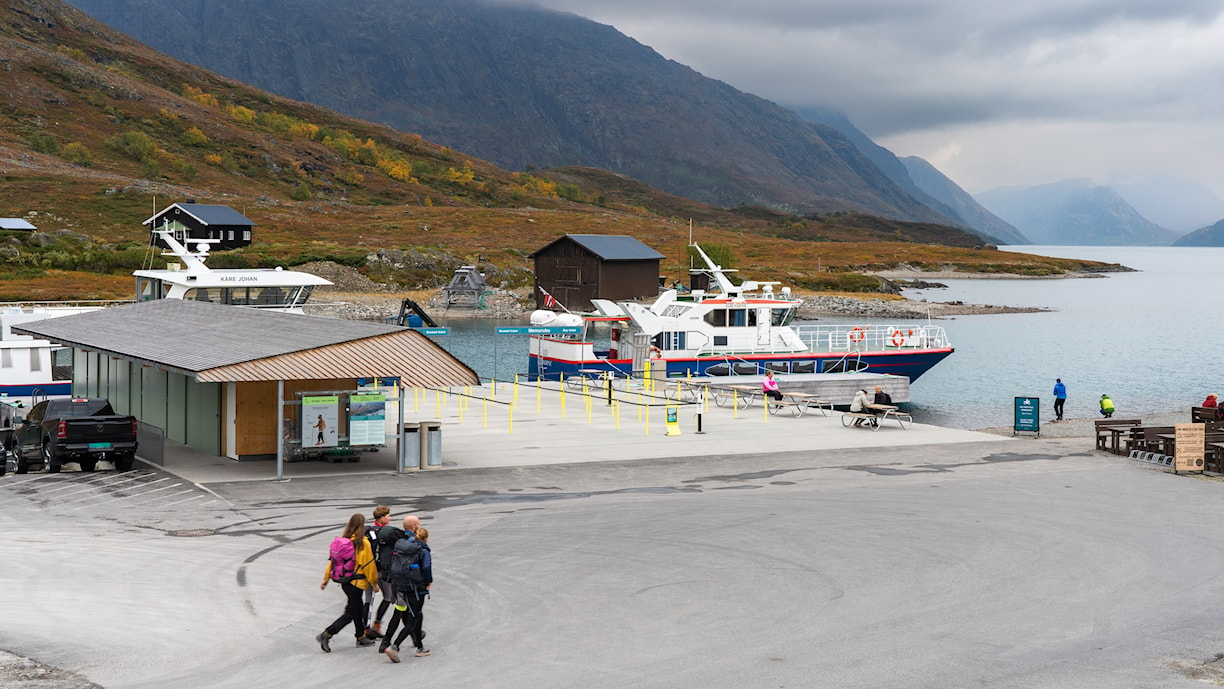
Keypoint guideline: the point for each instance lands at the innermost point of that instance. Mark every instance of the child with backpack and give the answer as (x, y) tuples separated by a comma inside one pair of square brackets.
[(351, 564)]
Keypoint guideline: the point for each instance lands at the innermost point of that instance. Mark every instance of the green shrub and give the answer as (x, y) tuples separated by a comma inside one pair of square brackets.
[(135, 145), (76, 153), (43, 143)]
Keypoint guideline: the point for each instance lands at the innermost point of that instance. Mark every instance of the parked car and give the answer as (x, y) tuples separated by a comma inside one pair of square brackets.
[(82, 430)]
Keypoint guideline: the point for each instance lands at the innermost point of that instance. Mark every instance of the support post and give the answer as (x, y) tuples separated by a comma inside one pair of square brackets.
[(280, 430)]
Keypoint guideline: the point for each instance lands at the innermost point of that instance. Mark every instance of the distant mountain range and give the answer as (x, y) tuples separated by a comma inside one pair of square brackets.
[(529, 88), (1074, 212), (1207, 236)]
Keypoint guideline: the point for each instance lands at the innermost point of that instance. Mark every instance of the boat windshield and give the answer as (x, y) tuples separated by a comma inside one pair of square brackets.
[(265, 297)]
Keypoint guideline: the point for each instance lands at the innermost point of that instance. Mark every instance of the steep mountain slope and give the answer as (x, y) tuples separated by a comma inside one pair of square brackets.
[(1207, 236), (935, 183), (1074, 212), (524, 88)]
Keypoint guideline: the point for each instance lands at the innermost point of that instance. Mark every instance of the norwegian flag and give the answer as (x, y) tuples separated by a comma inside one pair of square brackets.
[(549, 301)]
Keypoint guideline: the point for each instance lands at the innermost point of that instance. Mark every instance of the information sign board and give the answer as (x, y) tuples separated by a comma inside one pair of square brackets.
[(1028, 413), (320, 418), (540, 330), (1188, 446), (367, 419)]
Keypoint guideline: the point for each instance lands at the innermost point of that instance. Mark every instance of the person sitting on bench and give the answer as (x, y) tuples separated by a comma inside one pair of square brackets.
[(770, 387), (859, 405), (882, 397)]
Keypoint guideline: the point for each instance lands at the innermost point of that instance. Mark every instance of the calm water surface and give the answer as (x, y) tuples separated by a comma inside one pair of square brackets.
[(1151, 339)]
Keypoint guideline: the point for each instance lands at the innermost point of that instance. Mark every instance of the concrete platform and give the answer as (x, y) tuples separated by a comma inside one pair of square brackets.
[(545, 426)]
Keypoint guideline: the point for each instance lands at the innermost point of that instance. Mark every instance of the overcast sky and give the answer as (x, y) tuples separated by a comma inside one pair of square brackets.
[(993, 94)]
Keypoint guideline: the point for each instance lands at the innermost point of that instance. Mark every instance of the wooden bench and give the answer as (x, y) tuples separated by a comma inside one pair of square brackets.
[(741, 395), (1204, 414), (796, 408), (1109, 432), (810, 401)]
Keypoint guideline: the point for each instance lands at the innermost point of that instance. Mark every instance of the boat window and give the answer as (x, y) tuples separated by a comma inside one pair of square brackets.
[(6, 358), (35, 360), (803, 367), (746, 369), (778, 366), (720, 340), (718, 370), (61, 364), (717, 318), (752, 318), (675, 310), (150, 288), (267, 296), (209, 294), (303, 294), (737, 318), (783, 316)]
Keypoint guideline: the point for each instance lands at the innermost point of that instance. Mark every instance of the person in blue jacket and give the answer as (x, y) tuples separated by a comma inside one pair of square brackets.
[(1060, 398)]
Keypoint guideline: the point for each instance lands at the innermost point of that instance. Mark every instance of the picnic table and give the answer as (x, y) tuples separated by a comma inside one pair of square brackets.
[(879, 413), (585, 376), (1109, 433), (740, 395)]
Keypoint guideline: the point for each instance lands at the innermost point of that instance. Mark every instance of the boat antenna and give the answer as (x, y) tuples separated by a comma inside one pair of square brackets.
[(690, 231)]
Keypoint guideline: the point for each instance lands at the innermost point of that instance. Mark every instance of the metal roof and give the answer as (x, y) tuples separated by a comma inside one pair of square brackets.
[(609, 247), (218, 343), (15, 224), (206, 213)]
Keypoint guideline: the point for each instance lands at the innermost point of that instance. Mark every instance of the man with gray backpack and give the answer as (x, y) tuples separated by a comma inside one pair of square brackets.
[(385, 540)]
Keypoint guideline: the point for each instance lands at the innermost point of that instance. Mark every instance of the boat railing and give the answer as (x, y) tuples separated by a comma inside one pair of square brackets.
[(871, 338)]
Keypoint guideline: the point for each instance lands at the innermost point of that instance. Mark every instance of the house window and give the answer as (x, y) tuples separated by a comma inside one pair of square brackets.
[(246, 235), (231, 235)]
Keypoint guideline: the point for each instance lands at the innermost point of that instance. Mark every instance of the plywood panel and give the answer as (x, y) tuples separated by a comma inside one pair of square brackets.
[(255, 411)]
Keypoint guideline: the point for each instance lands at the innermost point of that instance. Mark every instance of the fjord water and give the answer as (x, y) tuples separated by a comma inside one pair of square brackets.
[(1153, 339)]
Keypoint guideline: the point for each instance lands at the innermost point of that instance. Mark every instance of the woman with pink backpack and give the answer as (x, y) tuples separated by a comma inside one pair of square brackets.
[(350, 562)]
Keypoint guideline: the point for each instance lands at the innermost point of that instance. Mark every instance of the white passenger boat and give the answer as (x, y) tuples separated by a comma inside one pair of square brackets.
[(742, 329)]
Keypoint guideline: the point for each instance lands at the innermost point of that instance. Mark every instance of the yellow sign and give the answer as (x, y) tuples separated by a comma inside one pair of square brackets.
[(1188, 446), (673, 421)]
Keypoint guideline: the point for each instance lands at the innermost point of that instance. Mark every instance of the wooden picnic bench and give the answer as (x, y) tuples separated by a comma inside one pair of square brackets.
[(1109, 433), (810, 401), (886, 411)]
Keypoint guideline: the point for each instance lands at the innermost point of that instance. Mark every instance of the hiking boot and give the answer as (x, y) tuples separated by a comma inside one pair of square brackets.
[(377, 627), (324, 641), (422, 652), (386, 643), (372, 634), (364, 640), (393, 653)]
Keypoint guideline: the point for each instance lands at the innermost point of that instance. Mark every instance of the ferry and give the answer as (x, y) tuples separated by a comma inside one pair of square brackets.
[(735, 330), (265, 288), (34, 369)]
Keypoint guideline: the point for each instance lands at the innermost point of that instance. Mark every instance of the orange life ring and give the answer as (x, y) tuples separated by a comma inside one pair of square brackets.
[(898, 338), (857, 334), (655, 353)]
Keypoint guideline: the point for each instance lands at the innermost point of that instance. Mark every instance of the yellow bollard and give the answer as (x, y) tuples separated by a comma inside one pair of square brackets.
[(589, 409), (539, 393), (563, 397), (416, 399), (735, 404), (647, 420), (514, 399), (639, 407), (616, 412), (438, 403), (486, 413)]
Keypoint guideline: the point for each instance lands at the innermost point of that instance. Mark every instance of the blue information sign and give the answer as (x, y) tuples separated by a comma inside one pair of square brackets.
[(433, 331), (1028, 411), (540, 330)]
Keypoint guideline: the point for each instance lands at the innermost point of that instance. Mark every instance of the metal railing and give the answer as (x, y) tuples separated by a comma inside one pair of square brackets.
[(871, 338)]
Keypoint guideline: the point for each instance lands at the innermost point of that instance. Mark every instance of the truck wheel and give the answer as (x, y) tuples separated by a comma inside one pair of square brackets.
[(4, 457), (22, 467), (88, 464), (124, 462), (49, 464)]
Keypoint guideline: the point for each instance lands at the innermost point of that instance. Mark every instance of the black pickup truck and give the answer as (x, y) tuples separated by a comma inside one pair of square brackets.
[(74, 430)]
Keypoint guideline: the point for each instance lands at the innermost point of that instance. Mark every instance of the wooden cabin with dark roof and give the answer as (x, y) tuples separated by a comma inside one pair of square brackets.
[(225, 227), (577, 268)]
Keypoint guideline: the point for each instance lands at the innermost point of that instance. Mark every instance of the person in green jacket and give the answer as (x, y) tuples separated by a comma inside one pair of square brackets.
[(1107, 406)]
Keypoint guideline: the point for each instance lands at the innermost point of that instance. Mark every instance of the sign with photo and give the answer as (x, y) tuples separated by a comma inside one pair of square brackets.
[(320, 421), (368, 419)]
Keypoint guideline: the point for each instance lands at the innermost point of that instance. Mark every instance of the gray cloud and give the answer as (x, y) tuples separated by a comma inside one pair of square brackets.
[(941, 74)]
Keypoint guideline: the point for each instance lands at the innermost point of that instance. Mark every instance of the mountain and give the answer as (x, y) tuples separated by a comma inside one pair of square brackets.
[(1207, 236), (1074, 212), (965, 207), (525, 88), (921, 180)]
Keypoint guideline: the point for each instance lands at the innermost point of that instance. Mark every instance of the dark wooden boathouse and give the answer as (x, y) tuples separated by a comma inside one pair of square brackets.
[(577, 268), (195, 221)]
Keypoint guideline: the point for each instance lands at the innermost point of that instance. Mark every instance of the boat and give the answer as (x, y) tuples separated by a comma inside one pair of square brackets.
[(730, 330), (33, 369), (264, 288)]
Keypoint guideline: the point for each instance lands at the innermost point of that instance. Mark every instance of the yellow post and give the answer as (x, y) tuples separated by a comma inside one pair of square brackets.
[(639, 406), (563, 397), (416, 399), (539, 393), (647, 420), (589, 406), (616, 412), (515, 398), (486, 413), (765, 408), (438, 403), (735, 404)]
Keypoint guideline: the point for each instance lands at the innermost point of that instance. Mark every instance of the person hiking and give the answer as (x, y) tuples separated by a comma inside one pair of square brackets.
[(388, 534), (1060, 398), (410, 589), (382, 516), (352, 566), (412, 599)]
